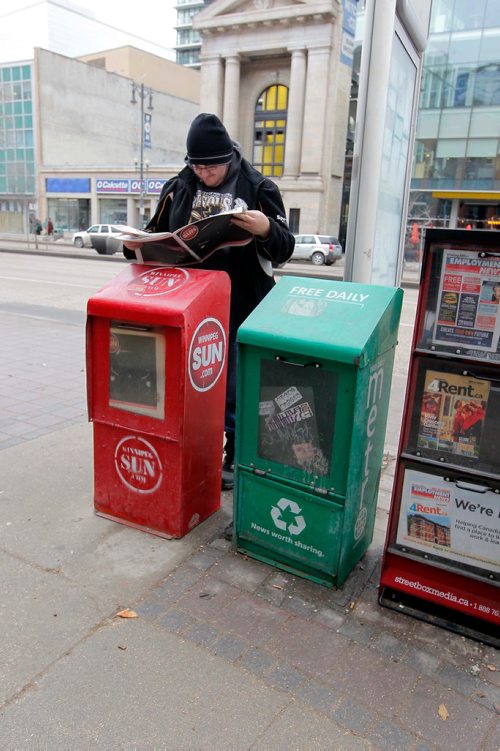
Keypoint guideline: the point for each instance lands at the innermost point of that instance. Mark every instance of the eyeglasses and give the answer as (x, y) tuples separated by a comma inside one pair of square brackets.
[(208, 167)]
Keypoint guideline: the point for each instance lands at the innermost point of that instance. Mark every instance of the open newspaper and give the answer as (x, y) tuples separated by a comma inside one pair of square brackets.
[(188, 245)]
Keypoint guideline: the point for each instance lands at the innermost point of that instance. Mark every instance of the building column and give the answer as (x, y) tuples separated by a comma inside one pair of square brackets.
[(318, 67), (211, 84), (295, 113), (232, 95)]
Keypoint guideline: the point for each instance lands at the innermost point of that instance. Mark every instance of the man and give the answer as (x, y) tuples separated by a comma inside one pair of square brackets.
[(217, 178)]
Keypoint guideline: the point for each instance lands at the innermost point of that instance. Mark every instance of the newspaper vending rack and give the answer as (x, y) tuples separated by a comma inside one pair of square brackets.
[(442, 553)]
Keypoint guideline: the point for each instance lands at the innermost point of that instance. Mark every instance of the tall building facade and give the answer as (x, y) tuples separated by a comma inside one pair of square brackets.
[(70, 137), (456, 173), (188, 46)]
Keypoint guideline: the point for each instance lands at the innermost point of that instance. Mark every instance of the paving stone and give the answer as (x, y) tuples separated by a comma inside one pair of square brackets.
[(389, 645), (353, 716), (356, 630), (386, 684), (241, 572), (308, 646), (201, 633), (323, 698), (271, 594), (152, 607), (297, 729), (285, 678), (207, 598), (229, 647), (421, 661), (171, 588), (251, 618), (420, 716), (329, 617), (175, 621), (298, 606), (257, 661), (389, 737), (220, 544), (461, 680), (492, 741), (487, 695), (202, 560)]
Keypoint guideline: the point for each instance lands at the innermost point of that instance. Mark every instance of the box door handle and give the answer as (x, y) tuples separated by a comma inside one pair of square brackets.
[(298, 364)]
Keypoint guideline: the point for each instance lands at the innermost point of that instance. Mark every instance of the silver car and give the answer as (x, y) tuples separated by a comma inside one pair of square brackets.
[(319, 249), (96, 231)]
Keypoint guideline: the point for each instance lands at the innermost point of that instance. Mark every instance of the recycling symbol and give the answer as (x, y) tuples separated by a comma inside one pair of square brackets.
[(295, 527)]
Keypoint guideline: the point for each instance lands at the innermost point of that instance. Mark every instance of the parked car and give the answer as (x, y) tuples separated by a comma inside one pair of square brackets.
[(319, 249), (97, 231)]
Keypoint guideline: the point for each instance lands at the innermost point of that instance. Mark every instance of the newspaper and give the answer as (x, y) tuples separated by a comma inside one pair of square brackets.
[(188, 245), (468, 310)]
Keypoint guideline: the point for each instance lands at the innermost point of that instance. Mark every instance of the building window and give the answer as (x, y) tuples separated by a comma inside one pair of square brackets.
[(270, 130), (294, 220)]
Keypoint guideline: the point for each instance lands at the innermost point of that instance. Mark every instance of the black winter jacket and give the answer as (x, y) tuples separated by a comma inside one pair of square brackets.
[(250, 267)]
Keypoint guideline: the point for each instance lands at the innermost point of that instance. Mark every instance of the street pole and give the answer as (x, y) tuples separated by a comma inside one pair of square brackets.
[(142, 92)]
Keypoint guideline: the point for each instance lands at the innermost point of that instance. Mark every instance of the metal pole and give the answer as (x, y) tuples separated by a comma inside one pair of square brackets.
[(141, 166)]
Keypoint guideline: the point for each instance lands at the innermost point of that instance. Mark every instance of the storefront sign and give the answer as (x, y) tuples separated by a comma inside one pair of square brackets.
[(110, 185), (126, 185)]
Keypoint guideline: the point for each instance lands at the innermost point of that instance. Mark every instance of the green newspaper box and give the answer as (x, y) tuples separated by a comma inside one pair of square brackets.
[(314, 375)]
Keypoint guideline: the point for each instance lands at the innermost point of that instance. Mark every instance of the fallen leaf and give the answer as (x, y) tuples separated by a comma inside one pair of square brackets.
[(492, 668), (443, 712), (127, 614)]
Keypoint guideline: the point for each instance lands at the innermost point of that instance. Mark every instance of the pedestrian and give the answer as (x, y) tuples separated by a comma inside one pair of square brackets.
[(50, 228), (217, 178), (38, 227)]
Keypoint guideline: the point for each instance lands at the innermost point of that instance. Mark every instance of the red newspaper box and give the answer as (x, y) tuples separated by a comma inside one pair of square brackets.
[(156, 381)]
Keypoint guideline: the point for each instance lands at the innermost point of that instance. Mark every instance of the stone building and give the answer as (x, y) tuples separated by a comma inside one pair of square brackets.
[(278, 73)]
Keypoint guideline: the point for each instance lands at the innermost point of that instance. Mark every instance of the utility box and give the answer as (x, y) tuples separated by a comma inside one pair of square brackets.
[(156, 381), (314, 377)]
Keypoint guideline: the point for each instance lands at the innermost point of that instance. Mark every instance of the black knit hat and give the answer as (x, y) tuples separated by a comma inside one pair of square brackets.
[(208, 141)]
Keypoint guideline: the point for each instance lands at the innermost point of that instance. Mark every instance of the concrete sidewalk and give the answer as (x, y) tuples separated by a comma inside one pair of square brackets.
[(226, 653)]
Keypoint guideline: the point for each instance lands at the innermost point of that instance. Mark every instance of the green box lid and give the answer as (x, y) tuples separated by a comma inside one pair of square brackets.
[(333, 320)]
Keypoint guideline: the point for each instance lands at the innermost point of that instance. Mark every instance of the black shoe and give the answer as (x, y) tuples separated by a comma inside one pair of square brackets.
[(228, 464), (227, 480), (228, 532)]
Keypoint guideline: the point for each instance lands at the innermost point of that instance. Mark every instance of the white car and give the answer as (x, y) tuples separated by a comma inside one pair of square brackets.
[(96, 231), (319, 249)]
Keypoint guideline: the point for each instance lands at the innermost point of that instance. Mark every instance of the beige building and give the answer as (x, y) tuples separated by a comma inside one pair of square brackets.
[(275, 72), (88, 134)]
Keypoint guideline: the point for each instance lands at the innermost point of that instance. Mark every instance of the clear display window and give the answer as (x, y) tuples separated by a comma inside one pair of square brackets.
[(451, 522), (296, 415), (462, 312), (456, 415), (137, 370)]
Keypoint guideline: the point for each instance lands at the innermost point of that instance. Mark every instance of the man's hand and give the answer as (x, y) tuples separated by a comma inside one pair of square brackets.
[(133, 244), (253, 221)]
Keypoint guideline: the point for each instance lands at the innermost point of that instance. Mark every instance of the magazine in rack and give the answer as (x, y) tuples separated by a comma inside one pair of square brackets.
[(452, 413), (188, 245), (462, 315)]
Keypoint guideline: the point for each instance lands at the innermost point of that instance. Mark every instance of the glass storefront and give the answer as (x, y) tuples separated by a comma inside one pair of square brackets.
[(457, 140), (457, 146), (113, 210), (69, 214)]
